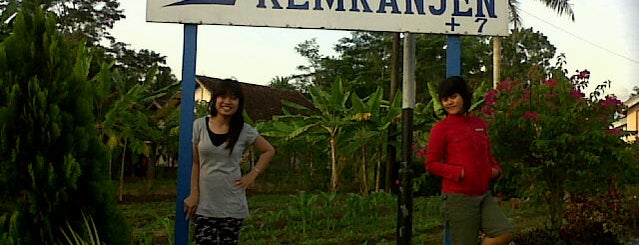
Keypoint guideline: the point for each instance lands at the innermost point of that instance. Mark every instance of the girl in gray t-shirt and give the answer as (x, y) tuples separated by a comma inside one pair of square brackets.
[(217, 203)]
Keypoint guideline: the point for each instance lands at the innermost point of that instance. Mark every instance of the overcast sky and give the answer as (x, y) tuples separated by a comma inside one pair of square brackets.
[(603, 39)]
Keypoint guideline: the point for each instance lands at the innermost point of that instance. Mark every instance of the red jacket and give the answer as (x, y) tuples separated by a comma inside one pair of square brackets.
[(461, 142)]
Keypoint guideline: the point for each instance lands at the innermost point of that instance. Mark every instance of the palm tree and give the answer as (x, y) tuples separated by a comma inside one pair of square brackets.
[(563, 7)]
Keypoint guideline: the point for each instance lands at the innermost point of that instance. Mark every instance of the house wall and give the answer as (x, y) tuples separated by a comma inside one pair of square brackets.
[(631, 123), (202, 94), (632, 116)]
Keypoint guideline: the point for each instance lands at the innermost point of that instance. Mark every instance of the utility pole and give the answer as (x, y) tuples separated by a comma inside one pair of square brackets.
[(405, 197)]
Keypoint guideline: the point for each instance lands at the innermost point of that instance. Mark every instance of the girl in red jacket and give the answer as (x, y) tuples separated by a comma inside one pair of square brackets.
[(459, 152)]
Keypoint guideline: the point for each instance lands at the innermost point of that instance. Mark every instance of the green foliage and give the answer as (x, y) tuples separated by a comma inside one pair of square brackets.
[(329, 118), (364, 60), (52, 164), (87, 235), (555, 138), (525, 50), (85, 19), (348, 124), (599, 220), (332, 218), (606, 218)]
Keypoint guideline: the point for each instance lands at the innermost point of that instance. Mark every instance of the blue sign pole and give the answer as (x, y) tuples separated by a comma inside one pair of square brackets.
[(453, 68), (185, 154), (453, 55)]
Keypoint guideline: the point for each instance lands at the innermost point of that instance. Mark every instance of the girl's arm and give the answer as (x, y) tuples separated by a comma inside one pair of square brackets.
[(267, 152), (191, 202)]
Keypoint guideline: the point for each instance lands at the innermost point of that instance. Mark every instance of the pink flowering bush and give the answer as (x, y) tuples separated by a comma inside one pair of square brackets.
[(552, 139)]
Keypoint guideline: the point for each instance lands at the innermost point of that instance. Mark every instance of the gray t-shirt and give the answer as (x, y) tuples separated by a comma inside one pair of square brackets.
[(219, 198)]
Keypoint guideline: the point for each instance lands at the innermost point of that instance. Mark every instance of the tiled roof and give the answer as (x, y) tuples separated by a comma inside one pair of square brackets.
[(261, 102)]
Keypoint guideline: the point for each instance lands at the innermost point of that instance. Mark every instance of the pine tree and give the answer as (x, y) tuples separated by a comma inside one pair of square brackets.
[(52, 164)]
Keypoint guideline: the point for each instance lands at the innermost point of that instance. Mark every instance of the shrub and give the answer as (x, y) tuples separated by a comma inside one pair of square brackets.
[(52, 165), (556, 138)]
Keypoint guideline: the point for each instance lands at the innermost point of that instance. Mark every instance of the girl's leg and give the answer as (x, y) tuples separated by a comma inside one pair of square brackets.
[(206, 230), (230, 230), (494, 223), (502, 239), (461, 218)]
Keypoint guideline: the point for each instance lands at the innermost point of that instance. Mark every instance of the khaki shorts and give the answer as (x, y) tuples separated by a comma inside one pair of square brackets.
[(465, 216)]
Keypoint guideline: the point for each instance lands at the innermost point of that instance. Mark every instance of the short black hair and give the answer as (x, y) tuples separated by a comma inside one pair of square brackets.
[(452, 85)]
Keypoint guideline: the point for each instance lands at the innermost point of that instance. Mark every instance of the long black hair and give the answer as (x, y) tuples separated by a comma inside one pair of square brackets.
[(452, 85), (229, 87)]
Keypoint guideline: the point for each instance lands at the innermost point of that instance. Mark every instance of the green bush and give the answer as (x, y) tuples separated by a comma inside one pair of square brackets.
[(556, 139), (52, 165)]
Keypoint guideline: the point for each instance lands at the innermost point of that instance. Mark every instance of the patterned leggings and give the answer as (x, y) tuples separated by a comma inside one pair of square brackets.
[(210, 230)]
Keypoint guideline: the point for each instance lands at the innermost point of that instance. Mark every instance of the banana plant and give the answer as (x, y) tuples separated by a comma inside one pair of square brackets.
[(371, 116), (127, 123), (329, 117), (435, 108)]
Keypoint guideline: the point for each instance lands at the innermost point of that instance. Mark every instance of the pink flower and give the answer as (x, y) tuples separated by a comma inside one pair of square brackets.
[(527, 93), (421, 153), (615, 131), (491, 94), (532, 115), (487, 111), (610, 101), (551, 83), (585, 74), (577, 94), (490, 97), (508, 85)]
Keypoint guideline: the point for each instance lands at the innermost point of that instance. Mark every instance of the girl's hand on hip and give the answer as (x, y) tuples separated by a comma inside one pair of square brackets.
[(246, 181)]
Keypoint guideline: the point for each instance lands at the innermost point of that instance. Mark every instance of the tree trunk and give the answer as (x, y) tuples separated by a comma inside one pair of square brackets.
[(110, 162), (391, 163), (366, 189), (311, 164), (122, 170), (334, 173), (554, 198), (377, 171)]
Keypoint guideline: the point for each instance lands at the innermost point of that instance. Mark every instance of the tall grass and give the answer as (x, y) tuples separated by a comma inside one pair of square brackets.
[(86, 235)]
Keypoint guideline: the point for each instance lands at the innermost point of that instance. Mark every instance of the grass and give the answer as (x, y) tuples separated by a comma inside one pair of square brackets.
[(308, 218)]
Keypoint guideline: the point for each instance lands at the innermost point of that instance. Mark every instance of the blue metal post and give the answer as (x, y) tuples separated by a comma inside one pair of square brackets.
[(453, 68), (185, 154), (453, 55)]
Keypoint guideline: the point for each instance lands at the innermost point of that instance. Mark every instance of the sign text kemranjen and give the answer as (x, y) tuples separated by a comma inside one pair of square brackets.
[(464, 17)]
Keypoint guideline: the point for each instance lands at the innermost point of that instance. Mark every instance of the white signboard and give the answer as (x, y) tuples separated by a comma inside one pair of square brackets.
[(463, 17)]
